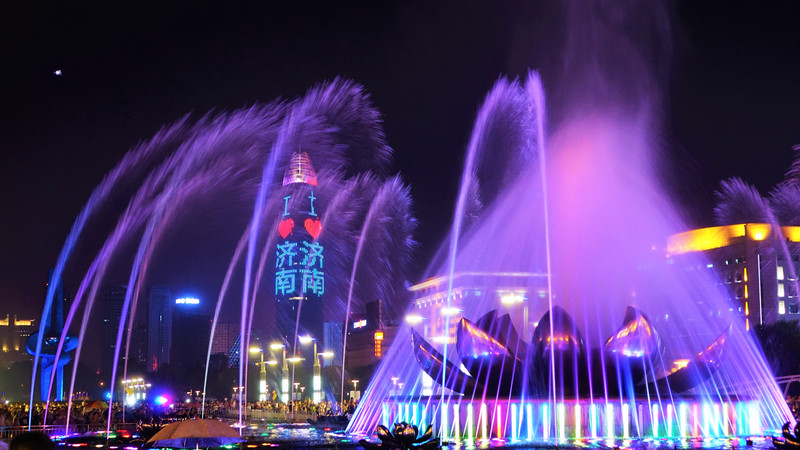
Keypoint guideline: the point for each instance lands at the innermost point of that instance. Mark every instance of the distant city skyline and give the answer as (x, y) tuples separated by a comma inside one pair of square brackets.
[(82, 85)]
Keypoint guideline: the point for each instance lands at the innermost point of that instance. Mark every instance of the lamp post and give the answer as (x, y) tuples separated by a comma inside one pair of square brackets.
[(356, 395), (262, 375), (511, 298), (317, 364), (284, 372), (316, 380)]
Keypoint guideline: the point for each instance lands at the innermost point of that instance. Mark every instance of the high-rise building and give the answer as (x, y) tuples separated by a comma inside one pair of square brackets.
[(332, 341), (191, 330), (225, 334), (299, 262), (13, 334), (113, 299), (159, 327)]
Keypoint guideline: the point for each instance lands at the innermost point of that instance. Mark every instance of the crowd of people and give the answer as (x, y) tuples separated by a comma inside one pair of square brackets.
[(84, 412), (96, 412), (324, 408), (794, 405)]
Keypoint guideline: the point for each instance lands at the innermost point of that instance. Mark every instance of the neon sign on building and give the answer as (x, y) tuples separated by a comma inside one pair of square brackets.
[(299, 262)]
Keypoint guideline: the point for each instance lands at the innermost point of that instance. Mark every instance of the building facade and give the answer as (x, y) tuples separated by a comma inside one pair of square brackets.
[(756, 263), (159, 327), (13, 334), (521, 294), (113, 299)]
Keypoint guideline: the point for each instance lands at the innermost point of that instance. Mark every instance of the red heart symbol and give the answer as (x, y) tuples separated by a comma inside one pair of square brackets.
[(314, 227), (285, 227)]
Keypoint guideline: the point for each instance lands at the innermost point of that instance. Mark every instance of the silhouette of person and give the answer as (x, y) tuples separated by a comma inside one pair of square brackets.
[(31, 440)]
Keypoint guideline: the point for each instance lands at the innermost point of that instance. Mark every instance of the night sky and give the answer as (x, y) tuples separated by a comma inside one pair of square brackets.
[(730, 85)]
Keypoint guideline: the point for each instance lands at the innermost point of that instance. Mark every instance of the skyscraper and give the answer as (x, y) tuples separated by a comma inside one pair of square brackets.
[(159, 327), (191, 331), (113, 298), (299, 260)]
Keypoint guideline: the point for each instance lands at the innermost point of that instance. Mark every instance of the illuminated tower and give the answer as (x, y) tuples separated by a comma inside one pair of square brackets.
[(299, 255), (53, 326)]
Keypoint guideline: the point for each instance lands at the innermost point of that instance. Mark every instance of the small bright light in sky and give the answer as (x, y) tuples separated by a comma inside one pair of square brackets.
[(57, 72)]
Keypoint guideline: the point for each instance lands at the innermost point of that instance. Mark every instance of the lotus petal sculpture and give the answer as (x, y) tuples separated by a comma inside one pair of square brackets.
[(403, 437), (789, 440), (496, 361)]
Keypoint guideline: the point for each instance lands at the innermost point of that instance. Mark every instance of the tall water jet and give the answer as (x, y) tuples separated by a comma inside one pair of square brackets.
[(681, 364), (220, 161)]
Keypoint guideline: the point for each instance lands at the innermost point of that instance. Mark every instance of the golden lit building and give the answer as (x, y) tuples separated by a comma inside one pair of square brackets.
[(757, 265), (13, 334)]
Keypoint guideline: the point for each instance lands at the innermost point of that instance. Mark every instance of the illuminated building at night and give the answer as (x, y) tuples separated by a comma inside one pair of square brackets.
[(757, 266), (13, 334), (113, 299), (522, 294), (299, 254), (191, 330), (368, 337), (159, 327)]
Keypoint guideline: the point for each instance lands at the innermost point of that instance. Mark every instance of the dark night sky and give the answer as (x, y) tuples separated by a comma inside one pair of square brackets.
[(731, 90)]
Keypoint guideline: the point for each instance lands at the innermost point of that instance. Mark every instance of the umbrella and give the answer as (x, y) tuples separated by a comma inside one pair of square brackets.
[(196, 433), (95, 404)]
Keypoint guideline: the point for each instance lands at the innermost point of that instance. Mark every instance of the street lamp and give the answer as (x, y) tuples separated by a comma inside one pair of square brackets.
[(356, 395), (511, 298), (262, 375), (284, 372), (316, 380), (317, 364)]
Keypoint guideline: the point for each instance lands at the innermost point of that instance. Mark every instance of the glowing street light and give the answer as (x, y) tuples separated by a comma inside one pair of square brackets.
[(513, 298), (413, 319), (284, 371), (262, 376), (316, 379)]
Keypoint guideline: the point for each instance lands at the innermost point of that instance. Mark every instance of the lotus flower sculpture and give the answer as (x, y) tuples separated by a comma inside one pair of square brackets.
[(404, 436), (496, 361), (789, 440)]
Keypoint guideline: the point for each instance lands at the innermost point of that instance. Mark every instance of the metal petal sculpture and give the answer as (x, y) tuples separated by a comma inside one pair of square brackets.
[(403, 437), (432, 362), (789, 440), (486, 358), (498, 362)]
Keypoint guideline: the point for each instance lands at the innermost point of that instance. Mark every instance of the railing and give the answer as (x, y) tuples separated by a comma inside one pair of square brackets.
[(8, 433), (272, 416), (787, 381)]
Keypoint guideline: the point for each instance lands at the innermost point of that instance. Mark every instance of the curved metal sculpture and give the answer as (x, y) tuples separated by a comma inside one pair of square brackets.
[(789, 440), (404, 437), (496, 361)]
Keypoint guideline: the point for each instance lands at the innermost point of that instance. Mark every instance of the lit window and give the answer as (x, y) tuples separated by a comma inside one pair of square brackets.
[(781, 307), (780, 273), (781, 291)]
